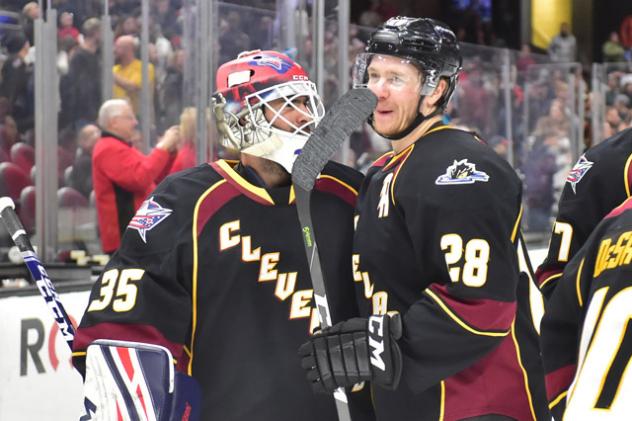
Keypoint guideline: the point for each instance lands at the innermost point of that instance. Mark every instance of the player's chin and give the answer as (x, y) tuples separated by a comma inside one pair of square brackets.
[(384, 129)]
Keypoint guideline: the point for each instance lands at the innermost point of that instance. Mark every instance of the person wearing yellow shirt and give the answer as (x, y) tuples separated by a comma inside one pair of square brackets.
[(128, 72)]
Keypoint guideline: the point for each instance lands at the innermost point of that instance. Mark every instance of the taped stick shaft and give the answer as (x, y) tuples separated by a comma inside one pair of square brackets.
[(36, 269), (348, 113), (303, 201)]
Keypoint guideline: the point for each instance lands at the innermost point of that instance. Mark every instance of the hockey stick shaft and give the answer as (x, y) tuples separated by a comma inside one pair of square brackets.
[(36, 269), (348, 113), (303, 204)]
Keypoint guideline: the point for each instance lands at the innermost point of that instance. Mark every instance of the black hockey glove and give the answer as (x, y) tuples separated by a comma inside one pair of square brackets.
[(354, 351)]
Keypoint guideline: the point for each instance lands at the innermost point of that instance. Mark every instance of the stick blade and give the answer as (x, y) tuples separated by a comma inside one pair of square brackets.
[(346, 115)]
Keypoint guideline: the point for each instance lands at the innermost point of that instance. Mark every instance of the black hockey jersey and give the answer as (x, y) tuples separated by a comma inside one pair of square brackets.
[(586, 330), (599, 181), (436, 241), (213, 267)]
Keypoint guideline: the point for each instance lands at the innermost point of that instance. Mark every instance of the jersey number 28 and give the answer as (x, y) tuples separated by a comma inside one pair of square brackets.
[(467, 264)]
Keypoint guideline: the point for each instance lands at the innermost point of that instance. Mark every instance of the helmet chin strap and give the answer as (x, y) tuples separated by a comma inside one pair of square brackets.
[(413, 124)]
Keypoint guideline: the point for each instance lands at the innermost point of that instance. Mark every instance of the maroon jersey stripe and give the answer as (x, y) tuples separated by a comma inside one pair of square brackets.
[(327, 184), (500, 391), (484, 315), (620, 209), (544, 276), (559, 380), (213, 202)]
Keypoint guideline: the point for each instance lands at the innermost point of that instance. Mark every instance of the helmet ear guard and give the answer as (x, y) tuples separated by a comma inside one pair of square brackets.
[(226, 123)]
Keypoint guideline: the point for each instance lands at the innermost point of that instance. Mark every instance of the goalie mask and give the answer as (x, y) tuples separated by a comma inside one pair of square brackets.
[(427, 44), (260, 83)]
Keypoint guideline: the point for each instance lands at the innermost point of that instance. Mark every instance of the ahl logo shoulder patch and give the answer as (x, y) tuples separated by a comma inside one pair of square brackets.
[(147, 217), (578, 172), (461, 172)]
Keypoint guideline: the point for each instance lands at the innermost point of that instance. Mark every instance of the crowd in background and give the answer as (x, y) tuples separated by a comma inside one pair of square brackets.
[(544, 113)]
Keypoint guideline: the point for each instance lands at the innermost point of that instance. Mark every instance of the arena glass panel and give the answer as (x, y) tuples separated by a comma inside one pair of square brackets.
[(81, 70), (611, 99), (551, 139)]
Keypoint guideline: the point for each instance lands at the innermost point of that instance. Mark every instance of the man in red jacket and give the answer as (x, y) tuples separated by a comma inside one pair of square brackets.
[(122, 175)]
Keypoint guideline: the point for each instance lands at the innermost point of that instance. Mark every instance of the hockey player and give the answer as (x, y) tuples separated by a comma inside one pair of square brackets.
[(586, 334), (599, 181), (213, 268), (435, 246)]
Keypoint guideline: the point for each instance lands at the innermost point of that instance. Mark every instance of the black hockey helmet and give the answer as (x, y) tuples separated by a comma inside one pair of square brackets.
[(427, 43)]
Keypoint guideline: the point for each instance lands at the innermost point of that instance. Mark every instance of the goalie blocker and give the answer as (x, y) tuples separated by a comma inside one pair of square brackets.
[(136, 381)]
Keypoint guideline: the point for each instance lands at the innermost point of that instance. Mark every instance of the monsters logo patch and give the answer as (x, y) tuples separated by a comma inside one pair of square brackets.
[(578, 172), (280, 65), (461, 172), (148, 216)]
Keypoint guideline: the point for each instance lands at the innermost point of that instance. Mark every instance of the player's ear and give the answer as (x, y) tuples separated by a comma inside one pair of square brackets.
[(439, 92), (429, 103)]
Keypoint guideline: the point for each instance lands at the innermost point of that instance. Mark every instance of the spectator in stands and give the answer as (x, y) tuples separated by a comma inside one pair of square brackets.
[(121, 174), (563, 47), (80, 89), (612, 49), (170, 94), (66, 151), (622, 104), (613, 88), (164, 16), (371, 17), (555, 121), (128, 25), (16, 83), (525, 58), (539, 168), (262, 33), (128, 72), (67, 27), (81, 175), (30, 12), (186, 148), (234, 40), (9, 134), (66, 49), (614, 121), (123, 7)]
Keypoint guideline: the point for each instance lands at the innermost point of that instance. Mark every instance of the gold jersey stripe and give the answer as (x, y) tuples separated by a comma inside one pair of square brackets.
[(514, 232), (195, 269), (524, 372), (410, 151), (550, 278), (258, 191), (626, 182), (557, 400), (442, 404), (580, 300)]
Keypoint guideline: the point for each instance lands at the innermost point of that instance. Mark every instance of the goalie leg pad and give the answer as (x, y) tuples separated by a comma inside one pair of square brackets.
[(136, 381)]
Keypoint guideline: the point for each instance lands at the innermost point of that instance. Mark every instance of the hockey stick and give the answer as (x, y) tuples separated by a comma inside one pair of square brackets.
[(347, 114), (36, 269)]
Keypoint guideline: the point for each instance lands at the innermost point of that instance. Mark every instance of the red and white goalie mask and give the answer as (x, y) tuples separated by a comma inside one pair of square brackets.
[(265, 105)]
